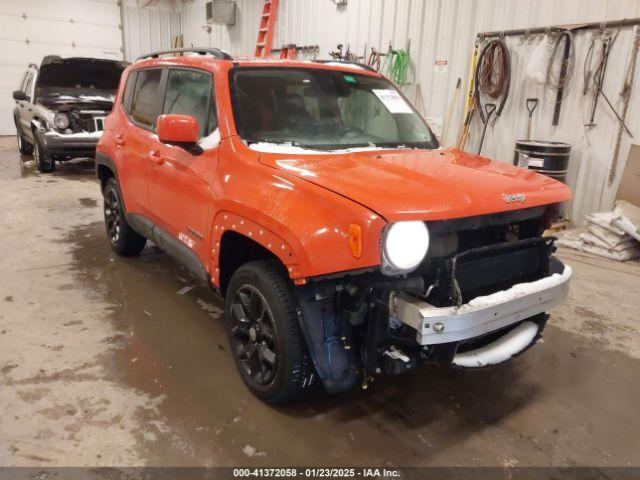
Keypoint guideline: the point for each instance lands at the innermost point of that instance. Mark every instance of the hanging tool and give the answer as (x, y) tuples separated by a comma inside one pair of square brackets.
[(493, 76), (466, 127), (470, 104), (532, 104), (490, 108), (626, 96), (598, 75), (267, 28), (566, 70), (375, 59), (450, 113), (472, 73)]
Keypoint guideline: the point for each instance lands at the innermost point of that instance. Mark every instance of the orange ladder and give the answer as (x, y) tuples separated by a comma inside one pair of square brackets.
[(267, 26)]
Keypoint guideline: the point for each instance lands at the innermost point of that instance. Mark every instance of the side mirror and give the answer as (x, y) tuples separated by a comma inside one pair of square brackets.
[(19, 95), (182, 130)]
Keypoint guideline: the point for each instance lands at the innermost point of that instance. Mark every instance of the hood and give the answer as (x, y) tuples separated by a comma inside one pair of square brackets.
[(93, 73), (423, 184)]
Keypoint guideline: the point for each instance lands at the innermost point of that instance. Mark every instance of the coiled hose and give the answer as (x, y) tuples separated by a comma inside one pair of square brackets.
[(493, 76), (396, 66)]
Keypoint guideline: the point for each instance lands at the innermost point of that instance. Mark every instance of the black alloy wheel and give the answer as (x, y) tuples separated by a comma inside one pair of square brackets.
[(122, 238), (263, 327), (112, 216), (254, 335)]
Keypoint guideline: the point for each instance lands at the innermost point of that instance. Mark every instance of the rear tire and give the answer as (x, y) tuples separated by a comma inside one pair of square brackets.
[(44, 161), (265, 337), (122, 238), (24, 147)]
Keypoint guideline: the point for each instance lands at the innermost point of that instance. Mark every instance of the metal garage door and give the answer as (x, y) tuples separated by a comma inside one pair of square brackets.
[(31, 29)]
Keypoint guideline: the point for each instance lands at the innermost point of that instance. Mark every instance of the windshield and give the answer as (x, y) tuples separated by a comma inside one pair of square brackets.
[(324, 109)]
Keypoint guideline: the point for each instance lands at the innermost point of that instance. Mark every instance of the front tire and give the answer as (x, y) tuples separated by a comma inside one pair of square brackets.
[(24, 147), (122, 238), (264, 334), (44, 161)]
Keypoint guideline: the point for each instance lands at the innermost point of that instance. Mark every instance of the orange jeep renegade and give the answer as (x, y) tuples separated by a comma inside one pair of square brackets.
[(316, 200)]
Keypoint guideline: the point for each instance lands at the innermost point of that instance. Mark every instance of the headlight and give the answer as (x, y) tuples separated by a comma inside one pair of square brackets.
[(61, 121), (404, 246)]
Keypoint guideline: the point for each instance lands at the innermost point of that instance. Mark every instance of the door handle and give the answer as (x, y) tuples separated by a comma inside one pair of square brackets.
[(155, 157), (120, 140)]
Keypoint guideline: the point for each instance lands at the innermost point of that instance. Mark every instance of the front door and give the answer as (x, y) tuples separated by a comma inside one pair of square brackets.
[(181, 185), (136, 142)]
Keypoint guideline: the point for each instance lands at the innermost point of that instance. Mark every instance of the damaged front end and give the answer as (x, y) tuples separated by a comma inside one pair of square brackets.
[(478, 298), (73, 98), (71, 126)]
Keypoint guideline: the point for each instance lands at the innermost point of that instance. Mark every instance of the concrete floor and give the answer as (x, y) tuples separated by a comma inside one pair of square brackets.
[(107, 361)]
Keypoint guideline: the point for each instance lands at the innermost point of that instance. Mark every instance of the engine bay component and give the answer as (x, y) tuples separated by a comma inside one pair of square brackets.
[(61, 120)]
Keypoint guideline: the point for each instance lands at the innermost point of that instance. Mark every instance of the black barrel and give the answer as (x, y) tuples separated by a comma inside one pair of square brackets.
[(548, 158)]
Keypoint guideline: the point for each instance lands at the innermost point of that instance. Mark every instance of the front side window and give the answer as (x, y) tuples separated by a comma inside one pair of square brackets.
[(23, 82), (324, 109), (190, 92), (28, 86), (144, 102)]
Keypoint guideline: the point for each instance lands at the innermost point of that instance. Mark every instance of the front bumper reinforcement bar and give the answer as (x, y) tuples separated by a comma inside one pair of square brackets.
[(485, 314)]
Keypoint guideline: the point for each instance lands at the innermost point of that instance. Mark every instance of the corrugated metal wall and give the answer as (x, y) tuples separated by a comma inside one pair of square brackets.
[(148, 29), (446, 30)]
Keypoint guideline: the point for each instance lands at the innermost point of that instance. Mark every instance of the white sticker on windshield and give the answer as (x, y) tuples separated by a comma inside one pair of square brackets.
[(393, 101)]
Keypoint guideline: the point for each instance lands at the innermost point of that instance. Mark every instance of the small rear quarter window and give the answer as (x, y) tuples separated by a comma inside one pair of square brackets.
[(128, 91)]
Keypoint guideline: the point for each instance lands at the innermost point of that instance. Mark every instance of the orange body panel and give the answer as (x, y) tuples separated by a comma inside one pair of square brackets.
[(301, 207)]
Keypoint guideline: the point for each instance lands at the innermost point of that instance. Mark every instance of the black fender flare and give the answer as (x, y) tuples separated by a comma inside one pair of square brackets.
[(104, 160)]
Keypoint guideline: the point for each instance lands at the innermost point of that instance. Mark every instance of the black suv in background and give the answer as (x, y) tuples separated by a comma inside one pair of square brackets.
[(61, 106)]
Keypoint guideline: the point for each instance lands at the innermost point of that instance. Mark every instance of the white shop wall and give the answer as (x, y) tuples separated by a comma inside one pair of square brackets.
[(32, 29), (446, 30)]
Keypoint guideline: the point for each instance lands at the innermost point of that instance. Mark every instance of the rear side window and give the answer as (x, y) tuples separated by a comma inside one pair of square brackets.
[(144, 102), (128, 91), (190, 92)]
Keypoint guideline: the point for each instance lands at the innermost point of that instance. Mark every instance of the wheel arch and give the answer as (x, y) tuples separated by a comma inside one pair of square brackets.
[(105, 169), (237, 241)]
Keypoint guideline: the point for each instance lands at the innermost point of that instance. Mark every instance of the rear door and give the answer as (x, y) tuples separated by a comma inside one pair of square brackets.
[(180, 188), (136, 138)]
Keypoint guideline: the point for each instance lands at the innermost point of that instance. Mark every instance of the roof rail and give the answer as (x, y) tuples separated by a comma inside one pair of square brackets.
[(347, 63), (216, 52)]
